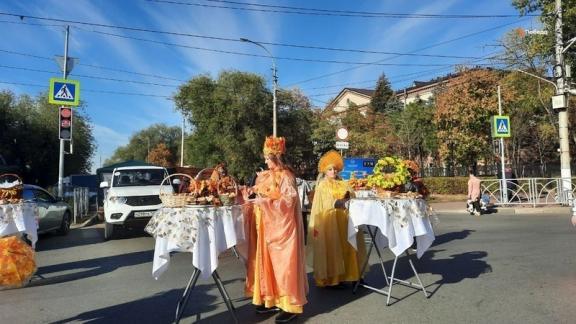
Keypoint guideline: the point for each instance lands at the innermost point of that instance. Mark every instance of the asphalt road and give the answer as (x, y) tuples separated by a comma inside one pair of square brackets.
[(492, 269)]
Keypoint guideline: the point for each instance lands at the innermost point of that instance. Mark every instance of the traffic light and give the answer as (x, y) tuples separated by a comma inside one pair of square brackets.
[(65, 132)]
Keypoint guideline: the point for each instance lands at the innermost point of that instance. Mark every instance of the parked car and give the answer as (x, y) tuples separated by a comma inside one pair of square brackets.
[(132, 196), (54, 214)]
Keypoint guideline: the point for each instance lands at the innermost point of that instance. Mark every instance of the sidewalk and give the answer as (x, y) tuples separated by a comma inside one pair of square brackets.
[(459, 207)]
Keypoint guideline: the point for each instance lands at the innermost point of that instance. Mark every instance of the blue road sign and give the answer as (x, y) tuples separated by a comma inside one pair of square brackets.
[(501, 126), (64, 92)]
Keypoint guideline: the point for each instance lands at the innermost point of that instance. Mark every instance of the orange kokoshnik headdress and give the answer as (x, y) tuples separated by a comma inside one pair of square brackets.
[(274, 145), (331, 159)]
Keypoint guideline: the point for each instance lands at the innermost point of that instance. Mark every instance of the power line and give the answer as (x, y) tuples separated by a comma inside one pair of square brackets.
[(88, 90), (414, 51), (95, 66), (328, 12), (88, 76), (285, 58), (233, 39)]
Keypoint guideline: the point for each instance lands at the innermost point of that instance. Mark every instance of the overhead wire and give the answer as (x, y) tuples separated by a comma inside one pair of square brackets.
[(237, 40), (88, 76), (95, 66), (327, 12), (414, 51), (89, 90), (278, 57)]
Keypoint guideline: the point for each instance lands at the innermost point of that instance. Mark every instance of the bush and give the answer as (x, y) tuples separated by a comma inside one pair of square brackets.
[(447, 185)]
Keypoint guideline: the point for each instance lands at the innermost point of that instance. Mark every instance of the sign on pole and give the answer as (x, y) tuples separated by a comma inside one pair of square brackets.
[(501, 126), (64, 92), (341, 145), (342, 133)]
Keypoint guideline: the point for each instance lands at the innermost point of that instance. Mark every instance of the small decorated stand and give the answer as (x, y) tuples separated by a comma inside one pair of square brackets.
[(17, 259)]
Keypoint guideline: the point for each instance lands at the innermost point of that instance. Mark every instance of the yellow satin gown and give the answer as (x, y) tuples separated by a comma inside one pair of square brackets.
[(334, 260)]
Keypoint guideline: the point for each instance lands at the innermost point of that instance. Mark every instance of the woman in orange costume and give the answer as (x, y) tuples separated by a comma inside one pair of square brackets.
[(334, 260), (276, 275)]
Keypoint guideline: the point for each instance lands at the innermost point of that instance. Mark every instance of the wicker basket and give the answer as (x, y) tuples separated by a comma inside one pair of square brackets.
[(171, 199), (225, 198), (204, 174), (12, 192)]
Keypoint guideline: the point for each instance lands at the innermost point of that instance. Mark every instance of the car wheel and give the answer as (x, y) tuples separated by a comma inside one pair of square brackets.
[(65, 225), (108, 230)]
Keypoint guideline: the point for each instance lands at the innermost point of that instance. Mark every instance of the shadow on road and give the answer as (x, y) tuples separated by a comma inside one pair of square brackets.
[(84, 236), (76, 237), (95, 267), (159, 308), (320, 301), (448, 237)]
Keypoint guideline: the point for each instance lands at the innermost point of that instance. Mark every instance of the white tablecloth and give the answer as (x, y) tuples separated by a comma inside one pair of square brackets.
[(398, 221), (204, 231), (19, 218)]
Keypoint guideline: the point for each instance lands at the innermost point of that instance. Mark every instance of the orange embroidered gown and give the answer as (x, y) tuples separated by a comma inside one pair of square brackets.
[(276, 273)]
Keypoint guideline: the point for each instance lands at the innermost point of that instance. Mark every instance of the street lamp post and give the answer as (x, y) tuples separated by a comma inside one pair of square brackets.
[(274, 82)]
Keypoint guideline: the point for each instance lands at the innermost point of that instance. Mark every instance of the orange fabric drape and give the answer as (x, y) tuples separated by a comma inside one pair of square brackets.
[(276, 273)]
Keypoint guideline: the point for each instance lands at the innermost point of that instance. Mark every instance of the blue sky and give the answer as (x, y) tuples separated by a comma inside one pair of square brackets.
[(155, 64)]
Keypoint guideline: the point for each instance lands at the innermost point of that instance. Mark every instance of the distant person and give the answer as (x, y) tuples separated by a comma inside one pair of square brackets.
[(473, 193)]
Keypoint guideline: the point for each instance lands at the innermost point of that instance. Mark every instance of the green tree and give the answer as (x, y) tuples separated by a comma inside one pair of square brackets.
[(295, 123), (384, 99), (143, 141), (415, 130), (29, 138), (463, 111), (529, 110), (369, 132), (547, 10), (231, 116)]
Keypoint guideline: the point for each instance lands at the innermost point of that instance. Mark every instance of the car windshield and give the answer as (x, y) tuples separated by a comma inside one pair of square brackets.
[(139, 177)]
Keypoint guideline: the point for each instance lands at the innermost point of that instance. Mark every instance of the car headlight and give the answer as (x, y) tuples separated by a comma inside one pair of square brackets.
[(117, 199)]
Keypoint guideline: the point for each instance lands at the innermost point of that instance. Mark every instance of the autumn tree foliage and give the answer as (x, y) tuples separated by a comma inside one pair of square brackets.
[(463, 111), (160, 155)]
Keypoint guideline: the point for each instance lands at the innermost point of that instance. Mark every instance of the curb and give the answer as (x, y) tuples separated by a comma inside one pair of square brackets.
[(90, 221), (512, 211)]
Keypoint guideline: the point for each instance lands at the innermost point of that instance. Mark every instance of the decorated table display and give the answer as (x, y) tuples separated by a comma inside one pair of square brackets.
[(392, 209), (17, 260), (194, 223), (392, 177)]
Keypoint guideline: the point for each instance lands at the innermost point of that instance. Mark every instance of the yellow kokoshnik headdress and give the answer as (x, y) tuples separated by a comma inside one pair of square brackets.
[(274, 145), (331, 159)]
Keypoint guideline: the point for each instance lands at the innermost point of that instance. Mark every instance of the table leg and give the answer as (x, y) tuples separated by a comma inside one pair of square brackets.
[(364, 265), (184, 299), (373, 237), (391, 281), (416, 274), (224, 295)]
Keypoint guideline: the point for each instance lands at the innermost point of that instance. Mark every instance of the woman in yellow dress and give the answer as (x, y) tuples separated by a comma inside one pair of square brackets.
[(334, 260), (276, 274)]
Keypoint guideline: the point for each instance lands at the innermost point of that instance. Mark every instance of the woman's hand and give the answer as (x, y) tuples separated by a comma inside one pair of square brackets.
[(246, 192)]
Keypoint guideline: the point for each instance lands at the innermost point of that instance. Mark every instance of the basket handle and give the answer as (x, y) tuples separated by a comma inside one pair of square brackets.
[(233, 182), (170, 176), (11, 174)]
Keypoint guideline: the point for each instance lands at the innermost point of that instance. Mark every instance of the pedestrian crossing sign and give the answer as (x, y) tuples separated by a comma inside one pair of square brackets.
[(501, 126), (64, 92)]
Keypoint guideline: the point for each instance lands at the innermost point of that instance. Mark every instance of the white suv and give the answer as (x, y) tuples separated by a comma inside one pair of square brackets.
[(132, 196)]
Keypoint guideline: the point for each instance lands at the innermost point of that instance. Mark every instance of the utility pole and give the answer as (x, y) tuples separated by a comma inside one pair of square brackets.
[(504, 185), (182, 143), (565, 171), (61, 156)]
